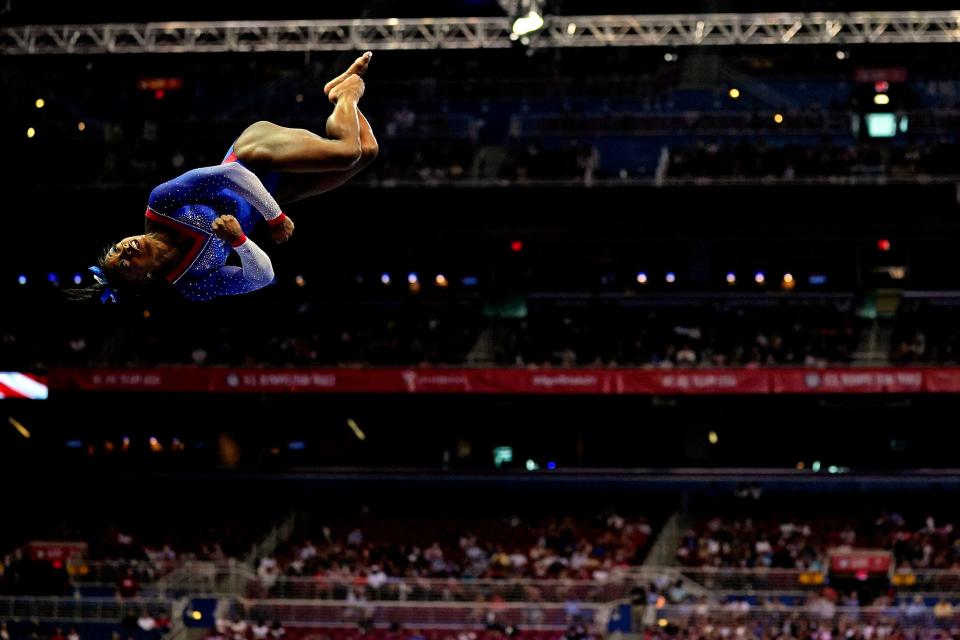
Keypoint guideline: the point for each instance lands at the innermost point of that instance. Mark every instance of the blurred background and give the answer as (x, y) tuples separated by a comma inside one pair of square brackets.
[(642, 324)]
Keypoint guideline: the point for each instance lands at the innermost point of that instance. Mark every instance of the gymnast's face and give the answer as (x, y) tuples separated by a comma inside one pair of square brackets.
[(131, 259)]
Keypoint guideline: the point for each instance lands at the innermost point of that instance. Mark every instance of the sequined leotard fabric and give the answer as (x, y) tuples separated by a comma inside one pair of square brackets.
[(188, 205)]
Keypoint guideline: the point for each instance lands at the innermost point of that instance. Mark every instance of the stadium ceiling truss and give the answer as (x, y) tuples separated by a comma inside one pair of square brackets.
[(916, 27)]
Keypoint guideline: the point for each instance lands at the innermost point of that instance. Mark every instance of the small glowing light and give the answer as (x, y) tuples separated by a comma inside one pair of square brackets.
[(40, 102), (159, 94), (734, 93), (52, 278), (385, 279), (470, 281), (126, 443), (441, 280), (671, 277), (81, 126), (31, 132), (778, 118), (642, 278), (670, 57), (108, 446), (881, 99), (300, 281), (841, 55), (412, 278), (789, 282), (516, 246), (414, 287), (731, 278), (881, 87), (357, 431), (817, 279), (22, 430), (801, 466), (713, 438), (77, 278), (788, 278), (883, 244), (898, 273), (153, 441), (551, 465), (146, 313), (571, 28), (299, 97), (815, 467), (196, 615), (759, 278), (661, 602), (833, 469), (532, 465), (663, 622), (22, 279)]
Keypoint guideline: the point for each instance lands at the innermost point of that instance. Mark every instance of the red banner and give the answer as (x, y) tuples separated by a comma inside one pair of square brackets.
[(513, 381), (865, 562), (850, 380), (696, 382), (941, 380), (56, 551), (892, 74)]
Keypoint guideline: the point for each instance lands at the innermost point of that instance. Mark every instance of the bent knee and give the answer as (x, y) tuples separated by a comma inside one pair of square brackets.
[(368, 152), (346, 156)]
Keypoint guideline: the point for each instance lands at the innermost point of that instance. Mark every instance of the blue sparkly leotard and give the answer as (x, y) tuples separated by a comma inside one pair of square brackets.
[(188, 205)]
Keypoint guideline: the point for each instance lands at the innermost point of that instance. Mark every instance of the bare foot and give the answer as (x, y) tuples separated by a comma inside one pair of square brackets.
[(358, 68), (351, 88)]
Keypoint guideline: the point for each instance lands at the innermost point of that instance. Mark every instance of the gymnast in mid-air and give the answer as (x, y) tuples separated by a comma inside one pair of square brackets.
[(194, 221)]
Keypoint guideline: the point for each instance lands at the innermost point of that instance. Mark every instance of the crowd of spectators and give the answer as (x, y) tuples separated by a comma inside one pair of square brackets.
[(798, 543), (759, 158), (430, 556), (926, 332), (711, 334)]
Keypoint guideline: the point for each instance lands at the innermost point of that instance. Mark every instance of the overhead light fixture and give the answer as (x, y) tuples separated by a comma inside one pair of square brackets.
[(529, 17), (527, 24)]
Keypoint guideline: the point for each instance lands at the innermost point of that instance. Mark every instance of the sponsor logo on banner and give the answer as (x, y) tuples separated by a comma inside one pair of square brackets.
[(896, 380), (699, 381), (417, 381), (129, 379), (281, 379), (875, 562), (564, 380)]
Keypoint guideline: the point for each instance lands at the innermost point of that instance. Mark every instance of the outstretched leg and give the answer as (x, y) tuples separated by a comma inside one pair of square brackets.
[(313, 164)]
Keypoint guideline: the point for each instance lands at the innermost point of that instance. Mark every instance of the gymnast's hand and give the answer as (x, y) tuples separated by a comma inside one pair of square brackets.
[(227, 229), (282, 232)]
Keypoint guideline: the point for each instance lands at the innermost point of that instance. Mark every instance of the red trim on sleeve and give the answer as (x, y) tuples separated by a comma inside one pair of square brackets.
[(280, 218), (239, 241), (230, 158)]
